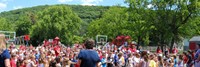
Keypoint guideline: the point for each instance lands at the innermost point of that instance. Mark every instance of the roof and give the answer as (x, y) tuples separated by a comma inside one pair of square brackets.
[(195, 38)]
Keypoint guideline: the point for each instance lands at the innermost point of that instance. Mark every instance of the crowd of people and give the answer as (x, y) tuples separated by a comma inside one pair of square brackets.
[(87, 55)]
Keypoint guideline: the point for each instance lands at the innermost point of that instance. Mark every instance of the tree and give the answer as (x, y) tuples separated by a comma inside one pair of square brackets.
[(138, 21), (56, 21), (177, 16), (24, 23), (5, 26), (113, 23), (169, 17)]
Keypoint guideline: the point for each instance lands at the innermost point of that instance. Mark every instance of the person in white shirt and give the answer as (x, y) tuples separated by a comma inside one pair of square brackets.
[(136, 59), (130, 60), (180, 61), (121, 59)]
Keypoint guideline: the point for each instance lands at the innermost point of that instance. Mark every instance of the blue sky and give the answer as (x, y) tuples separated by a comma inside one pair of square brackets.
[(6, 5)]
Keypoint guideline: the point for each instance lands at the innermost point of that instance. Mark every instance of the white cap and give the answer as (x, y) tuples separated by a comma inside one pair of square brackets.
[(148, 52), (137, 51), (52, 51), (133, 42), (103, 51)]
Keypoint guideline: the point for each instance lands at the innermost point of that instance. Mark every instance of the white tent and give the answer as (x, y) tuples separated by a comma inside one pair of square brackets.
[(193, 42), (195, 38)]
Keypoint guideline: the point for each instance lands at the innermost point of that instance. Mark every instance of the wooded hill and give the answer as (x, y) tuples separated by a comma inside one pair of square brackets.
[(21, 20), (86, 13)]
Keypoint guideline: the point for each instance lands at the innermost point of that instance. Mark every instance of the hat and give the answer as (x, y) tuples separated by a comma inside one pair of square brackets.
[(103, 51), (53, 52), (133, 42)]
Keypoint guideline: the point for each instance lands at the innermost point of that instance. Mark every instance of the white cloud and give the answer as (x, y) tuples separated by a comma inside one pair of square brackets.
[(90, 2), (63, 1), (17, 7), (3, 6)]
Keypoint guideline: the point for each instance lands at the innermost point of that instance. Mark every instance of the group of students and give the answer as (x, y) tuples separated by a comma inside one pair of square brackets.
[(130, 57), (88, 56)]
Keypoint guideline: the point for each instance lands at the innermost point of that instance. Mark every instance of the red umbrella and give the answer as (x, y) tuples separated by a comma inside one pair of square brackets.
[(127, 37), (122, 36), (57, 38), (119, 38), (123, 39)]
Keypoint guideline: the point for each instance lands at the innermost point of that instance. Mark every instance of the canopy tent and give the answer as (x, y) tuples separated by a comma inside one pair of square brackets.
[(193, 42), (195, 38)]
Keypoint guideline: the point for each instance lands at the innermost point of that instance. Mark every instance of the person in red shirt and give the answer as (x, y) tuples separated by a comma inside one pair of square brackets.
[(57, 50), (12, 61), (158, 51), (185, 59), (191, 53), (132, 48), (174, 50), (100, 54), (22, 47)]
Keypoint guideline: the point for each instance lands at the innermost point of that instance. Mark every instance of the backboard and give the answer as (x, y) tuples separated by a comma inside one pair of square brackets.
[(9, 35), (101, 39)]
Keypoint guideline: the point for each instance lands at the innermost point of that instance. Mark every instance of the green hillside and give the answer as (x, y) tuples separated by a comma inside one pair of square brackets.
[(86, 13), (15, 17), (23, 20)]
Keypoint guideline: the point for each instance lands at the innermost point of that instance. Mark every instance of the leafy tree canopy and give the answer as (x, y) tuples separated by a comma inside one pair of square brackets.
[(56, 21)]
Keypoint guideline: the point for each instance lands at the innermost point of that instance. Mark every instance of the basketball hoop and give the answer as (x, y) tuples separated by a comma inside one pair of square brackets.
[(9, 36), (101, 39)]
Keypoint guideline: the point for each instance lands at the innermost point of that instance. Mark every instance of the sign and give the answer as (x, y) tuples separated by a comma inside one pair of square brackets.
[(101, 38)]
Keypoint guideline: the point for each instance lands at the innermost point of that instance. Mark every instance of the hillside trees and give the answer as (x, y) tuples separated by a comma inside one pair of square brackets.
[(56, 21), (5, 25)]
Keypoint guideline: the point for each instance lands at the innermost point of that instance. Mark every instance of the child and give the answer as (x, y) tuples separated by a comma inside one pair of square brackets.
[(180, 62), (58, 59), (103, 60), (12, 61)]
